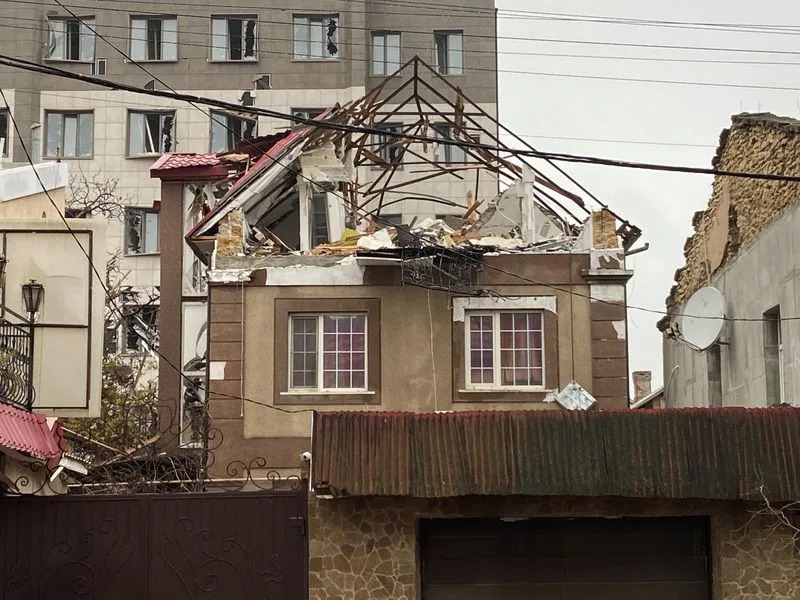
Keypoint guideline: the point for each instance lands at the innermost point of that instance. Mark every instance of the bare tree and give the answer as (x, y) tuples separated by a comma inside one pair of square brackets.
[(95, 196)]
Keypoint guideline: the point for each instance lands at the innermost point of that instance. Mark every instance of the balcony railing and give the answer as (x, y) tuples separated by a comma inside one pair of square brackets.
[(16, 365)]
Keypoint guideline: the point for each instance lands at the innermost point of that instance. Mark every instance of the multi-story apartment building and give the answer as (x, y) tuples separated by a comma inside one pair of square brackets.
[(296, 57)]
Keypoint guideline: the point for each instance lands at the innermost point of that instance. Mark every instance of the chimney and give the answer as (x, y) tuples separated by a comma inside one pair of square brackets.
[(641, 384)]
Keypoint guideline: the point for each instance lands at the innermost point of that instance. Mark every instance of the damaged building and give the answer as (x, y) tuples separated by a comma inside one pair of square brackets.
[(320, 297)]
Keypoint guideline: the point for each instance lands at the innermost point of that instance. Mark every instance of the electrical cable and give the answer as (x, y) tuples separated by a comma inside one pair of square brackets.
[(558, 157)]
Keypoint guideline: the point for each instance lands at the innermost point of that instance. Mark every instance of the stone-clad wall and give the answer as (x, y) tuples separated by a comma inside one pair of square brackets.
[(758, 143), (366, 548)]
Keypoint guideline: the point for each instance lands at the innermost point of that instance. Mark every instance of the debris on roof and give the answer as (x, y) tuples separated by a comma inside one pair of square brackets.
[(323, 188)]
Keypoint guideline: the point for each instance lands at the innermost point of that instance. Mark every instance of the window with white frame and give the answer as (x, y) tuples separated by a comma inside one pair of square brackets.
[(316, 37), (448, 52), (4, 139), (141, 231), (234, 38), (154, 38), (385, 52), (328, 352), (228, 130), (70, 39), (388, 147), (448, 153), (69, 134), (318, 221), (504, 349), (138, 327), (150, 132)]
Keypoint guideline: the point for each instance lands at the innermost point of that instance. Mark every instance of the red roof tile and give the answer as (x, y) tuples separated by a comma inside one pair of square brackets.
[(184, 161), (28, 432)]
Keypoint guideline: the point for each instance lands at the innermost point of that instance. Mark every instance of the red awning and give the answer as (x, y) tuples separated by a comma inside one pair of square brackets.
[(28, 432)]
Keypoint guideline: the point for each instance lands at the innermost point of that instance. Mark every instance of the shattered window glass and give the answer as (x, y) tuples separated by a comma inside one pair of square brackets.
[(69, 135), (141, 231), (307, 113), (505, 349), (4, 139), (388, 147), (448, 52), (228, 130), (70, 39), (150, 132), (328, 352), (154, 38), (448, 153), (234, 38), (315, 37), (385, 52), (138, 325)]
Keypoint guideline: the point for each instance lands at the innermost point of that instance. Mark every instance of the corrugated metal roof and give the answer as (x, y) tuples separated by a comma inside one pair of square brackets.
[(29, 432), (689, 453)]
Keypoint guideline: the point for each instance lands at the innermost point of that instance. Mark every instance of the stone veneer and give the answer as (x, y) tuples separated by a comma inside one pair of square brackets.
[(366, 548)]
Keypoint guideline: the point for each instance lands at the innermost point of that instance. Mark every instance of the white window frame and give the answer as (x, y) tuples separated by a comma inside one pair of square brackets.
[(220, 48), (148, 135), (5, 133), (68, 114), (139, 30), (320, 389), (496, 384), (57, 44), (137, 309), (304, 37), (454, 52), (380, 63), (222, 120), (144, 211)]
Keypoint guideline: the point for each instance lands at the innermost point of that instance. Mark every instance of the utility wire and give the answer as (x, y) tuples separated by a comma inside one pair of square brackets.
[(552, 156), (467, 51), (466, 34)]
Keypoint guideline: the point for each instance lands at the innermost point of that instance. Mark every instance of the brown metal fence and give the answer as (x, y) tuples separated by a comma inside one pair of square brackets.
[(243, 546)]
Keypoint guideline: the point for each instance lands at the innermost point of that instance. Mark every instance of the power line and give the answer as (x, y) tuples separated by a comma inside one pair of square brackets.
[(466, 34), (466, 51)]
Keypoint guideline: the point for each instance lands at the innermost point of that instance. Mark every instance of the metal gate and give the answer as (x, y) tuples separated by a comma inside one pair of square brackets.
[(242, 546)]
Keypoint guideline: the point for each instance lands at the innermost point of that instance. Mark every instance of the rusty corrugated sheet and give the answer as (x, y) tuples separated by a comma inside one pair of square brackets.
[(691, 453)]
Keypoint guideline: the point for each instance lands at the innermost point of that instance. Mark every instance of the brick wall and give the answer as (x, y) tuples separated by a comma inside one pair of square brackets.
[(366, 548), (761, 143)]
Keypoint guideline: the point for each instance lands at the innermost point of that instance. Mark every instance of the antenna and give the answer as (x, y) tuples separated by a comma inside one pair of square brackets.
[(703, 318)]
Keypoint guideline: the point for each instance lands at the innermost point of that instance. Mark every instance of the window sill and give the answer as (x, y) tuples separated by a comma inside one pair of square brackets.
[(151, 61), (126, 255), (151, 156), (498, 395), (316, 60), (70, 61), (329, 398), (69, 157), (232, 60)]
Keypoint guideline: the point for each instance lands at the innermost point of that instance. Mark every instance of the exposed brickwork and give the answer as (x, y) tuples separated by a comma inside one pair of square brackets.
[(760, 143), (366, 548), (604, 230)]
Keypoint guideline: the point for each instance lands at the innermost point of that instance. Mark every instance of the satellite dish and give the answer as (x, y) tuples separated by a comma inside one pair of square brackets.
[(703, 318)]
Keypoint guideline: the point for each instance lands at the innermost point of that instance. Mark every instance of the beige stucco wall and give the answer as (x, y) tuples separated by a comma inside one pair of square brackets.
[(34, 206), (367, 548), (416, 357)]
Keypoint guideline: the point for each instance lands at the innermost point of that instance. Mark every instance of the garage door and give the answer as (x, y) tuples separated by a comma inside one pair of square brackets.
[(565, 559)]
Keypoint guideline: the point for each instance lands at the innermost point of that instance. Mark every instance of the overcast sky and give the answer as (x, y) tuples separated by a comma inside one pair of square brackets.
[(661, 204)]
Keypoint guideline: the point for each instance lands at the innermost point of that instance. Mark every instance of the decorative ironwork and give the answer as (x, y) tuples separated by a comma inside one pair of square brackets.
[(445, 269), (16, 364)]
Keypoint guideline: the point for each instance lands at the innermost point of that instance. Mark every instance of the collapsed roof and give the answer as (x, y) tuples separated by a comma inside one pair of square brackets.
[(325, 186)]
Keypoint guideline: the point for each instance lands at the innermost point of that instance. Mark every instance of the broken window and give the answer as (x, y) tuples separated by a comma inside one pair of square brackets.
[(385, 52), (150, 132), (318, 221), (448, 52), (773, 356), (71, 39), (233, 38), (389, 147), (228, 130), (69, 134), (141, 231), (316, 37), (307, 113), (4, 139), (137, 327), (448, 153), (154, 38), (328, 352), (504, 349)]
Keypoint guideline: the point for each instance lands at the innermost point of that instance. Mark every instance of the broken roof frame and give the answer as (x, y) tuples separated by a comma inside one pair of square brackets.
[(412, 107)]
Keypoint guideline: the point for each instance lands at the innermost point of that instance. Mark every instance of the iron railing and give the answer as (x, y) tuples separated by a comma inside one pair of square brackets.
[(16, 365)]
